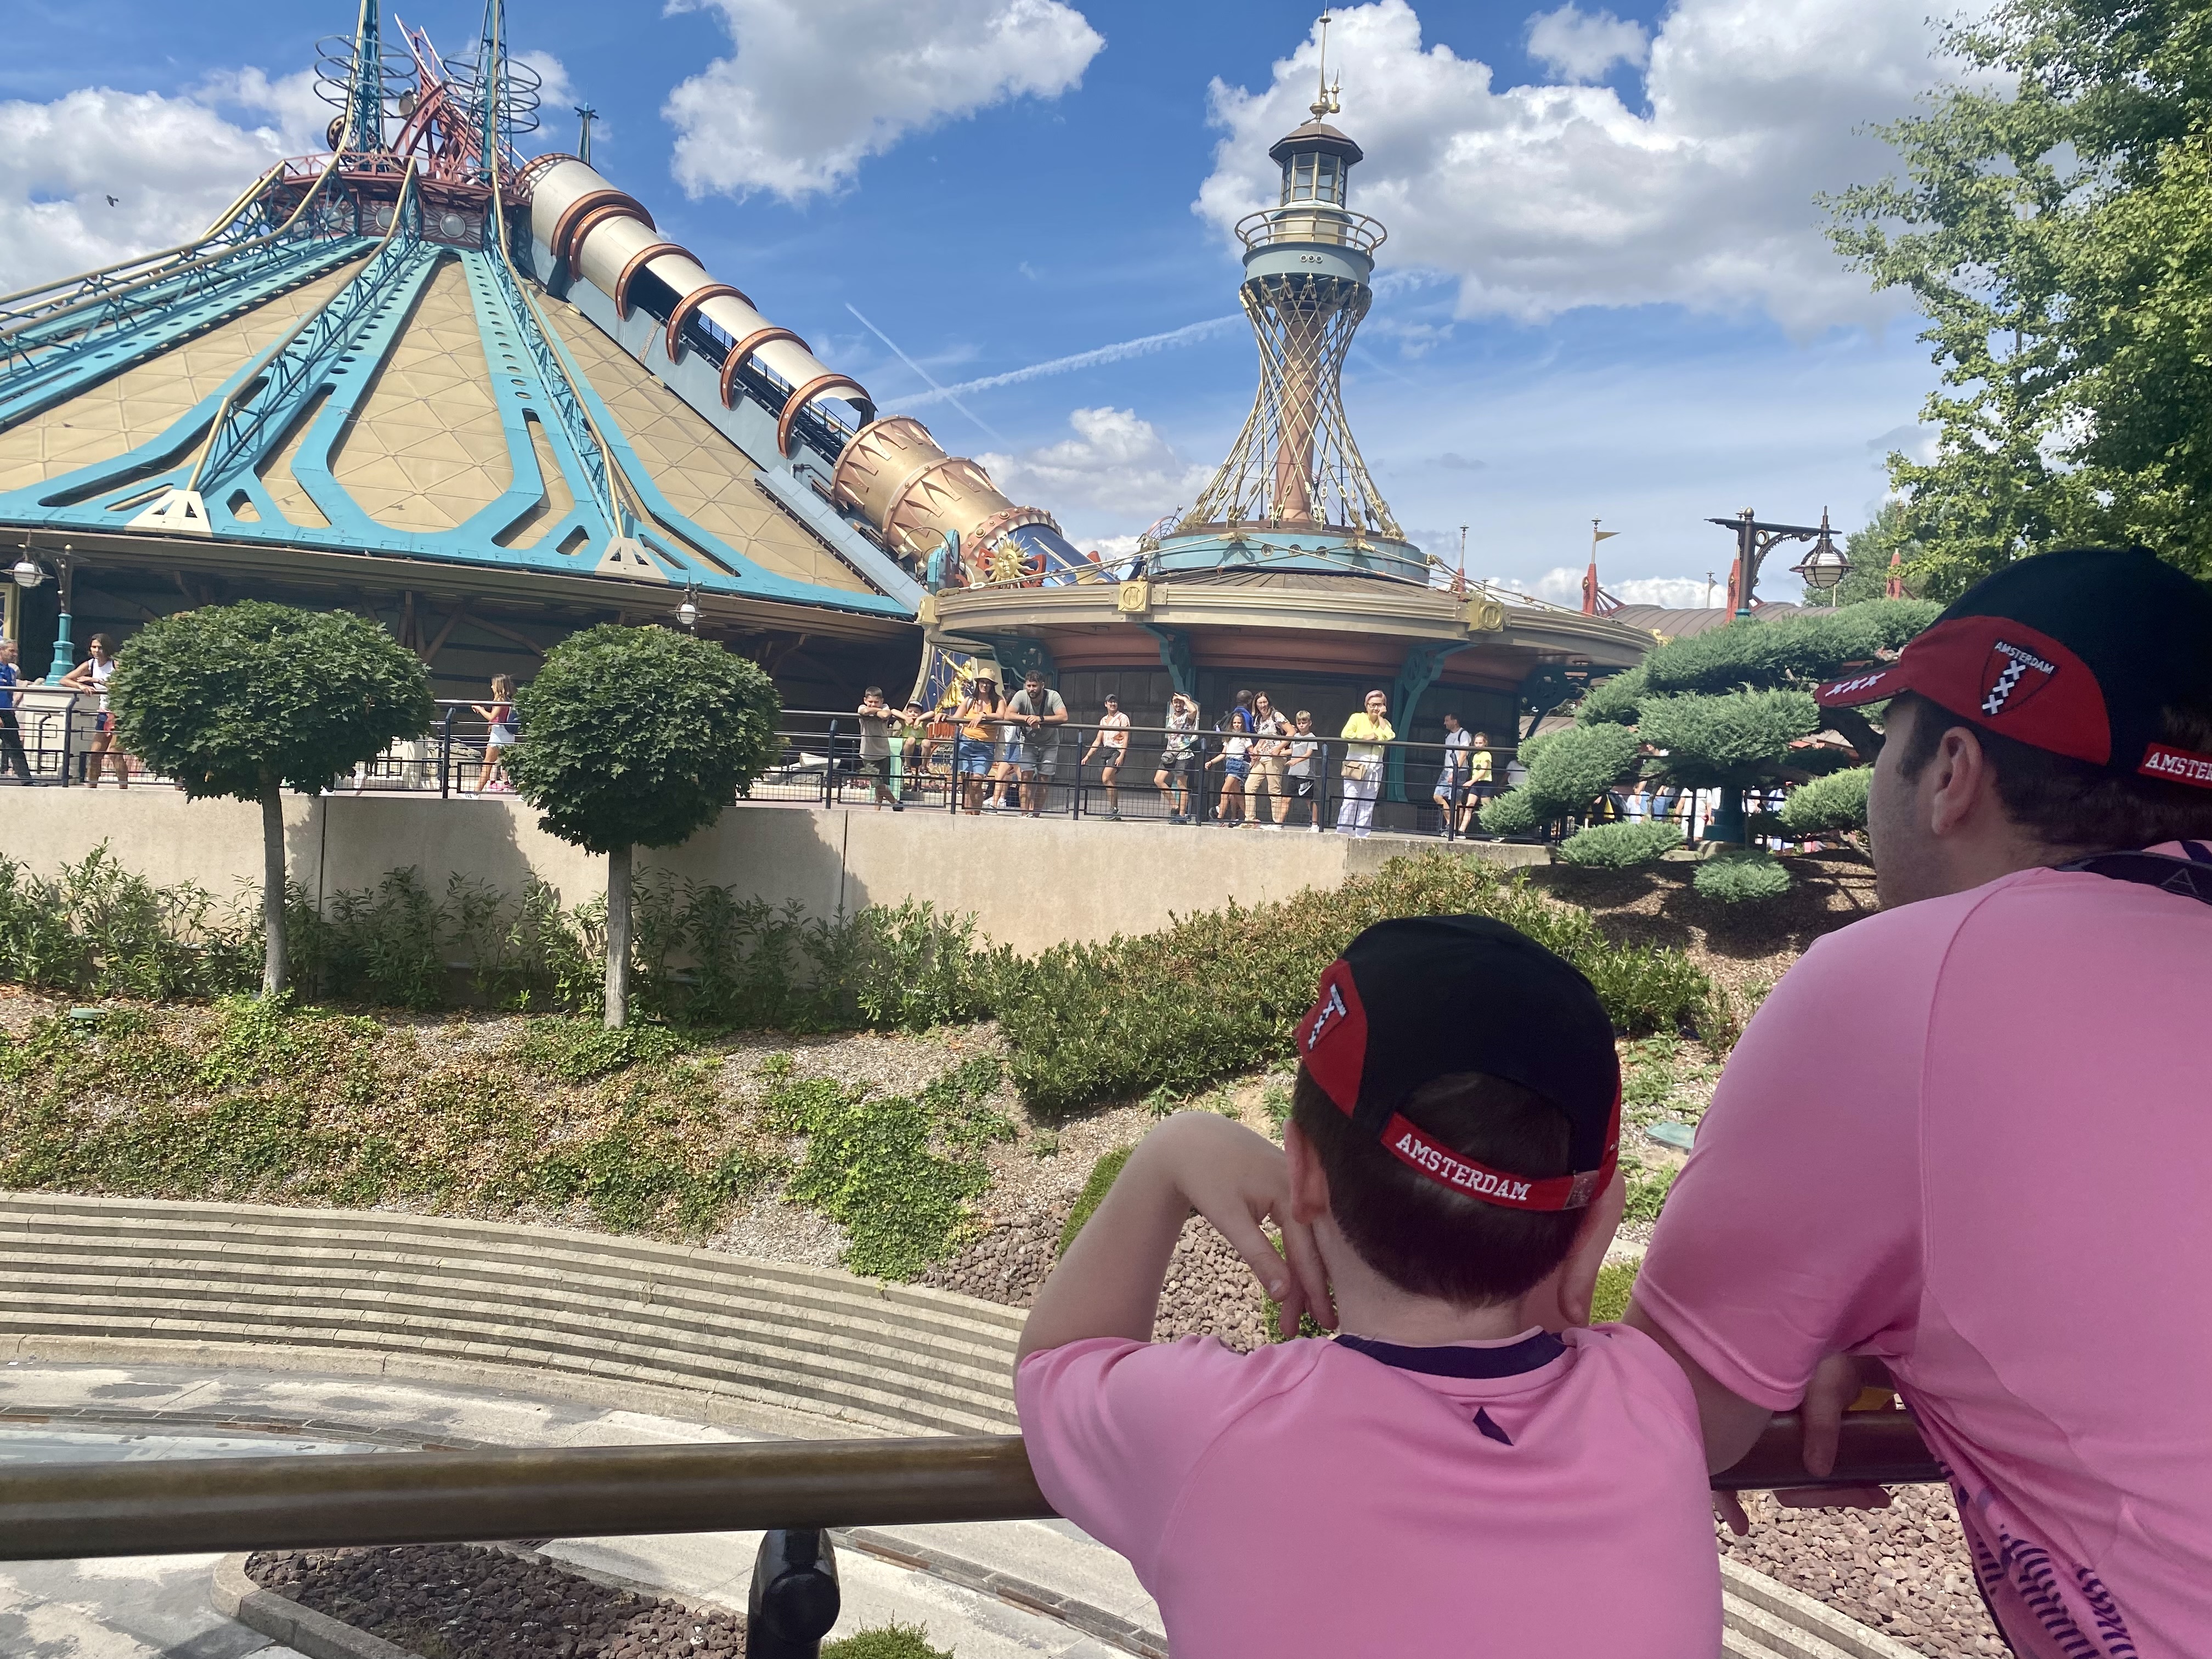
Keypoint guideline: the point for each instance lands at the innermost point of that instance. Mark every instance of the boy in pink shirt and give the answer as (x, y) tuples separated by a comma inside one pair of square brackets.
[(1470, 1469)]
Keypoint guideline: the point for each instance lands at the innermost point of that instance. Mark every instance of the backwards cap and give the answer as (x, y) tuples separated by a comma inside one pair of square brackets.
[(2076, 653), (1424, 997)]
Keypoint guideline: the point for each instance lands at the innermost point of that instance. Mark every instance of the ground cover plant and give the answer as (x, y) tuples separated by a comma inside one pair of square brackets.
[(639, 1129)]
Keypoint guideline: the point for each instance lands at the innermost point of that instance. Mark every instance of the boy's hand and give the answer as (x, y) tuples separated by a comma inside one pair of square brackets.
[(1237, 1180), (1108, 1282)]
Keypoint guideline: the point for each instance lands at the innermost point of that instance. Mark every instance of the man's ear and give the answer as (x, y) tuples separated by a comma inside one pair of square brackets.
[(1964, 785), (1308, 1180), (1576, 1277)]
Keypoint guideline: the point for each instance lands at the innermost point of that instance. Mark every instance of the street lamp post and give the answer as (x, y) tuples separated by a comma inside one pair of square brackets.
[(28, 572), (1754, 541)]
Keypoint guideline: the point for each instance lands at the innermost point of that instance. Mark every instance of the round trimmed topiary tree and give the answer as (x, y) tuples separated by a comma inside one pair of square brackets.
[(638, 736), (243, 700)]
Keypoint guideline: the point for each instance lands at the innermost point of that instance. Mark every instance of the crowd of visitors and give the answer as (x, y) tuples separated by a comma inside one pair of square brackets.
[(1254, 765)]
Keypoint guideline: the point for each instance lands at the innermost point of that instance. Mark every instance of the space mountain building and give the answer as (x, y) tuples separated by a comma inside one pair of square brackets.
[(476, 396), (480, 398)]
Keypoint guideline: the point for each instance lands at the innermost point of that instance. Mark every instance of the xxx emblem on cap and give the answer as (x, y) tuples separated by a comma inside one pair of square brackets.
[(2012, 675)]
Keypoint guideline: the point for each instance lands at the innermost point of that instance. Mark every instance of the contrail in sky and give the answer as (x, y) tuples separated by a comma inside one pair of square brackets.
[(1189, 334), (939, 391)]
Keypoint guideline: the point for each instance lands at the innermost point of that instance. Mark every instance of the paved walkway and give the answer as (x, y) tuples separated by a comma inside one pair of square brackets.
[(137, 1609)]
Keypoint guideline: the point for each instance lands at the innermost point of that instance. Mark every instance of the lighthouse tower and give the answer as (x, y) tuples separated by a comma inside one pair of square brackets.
[(1293, 491)]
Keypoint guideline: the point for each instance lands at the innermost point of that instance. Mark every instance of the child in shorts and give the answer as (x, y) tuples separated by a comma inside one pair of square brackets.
[(1469, 1467)]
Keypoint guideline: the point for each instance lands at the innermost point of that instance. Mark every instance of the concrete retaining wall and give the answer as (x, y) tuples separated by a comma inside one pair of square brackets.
[(1029, 882), (622, 1322)]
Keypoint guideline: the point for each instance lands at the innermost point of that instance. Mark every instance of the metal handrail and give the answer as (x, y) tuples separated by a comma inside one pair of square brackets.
[(69, 1511), (1306, 222)]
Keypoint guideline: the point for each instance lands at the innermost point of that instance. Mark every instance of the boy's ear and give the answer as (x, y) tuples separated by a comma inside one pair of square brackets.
[(1576, 1277), (1308, 1180)]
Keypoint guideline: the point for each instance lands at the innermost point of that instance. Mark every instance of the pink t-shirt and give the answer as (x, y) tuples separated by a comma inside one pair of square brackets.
[(1972, 1136), (1308, 1500)]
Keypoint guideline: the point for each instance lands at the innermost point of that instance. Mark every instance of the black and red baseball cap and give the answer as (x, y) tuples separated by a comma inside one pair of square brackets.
[(1424, 997), (2076, 652)]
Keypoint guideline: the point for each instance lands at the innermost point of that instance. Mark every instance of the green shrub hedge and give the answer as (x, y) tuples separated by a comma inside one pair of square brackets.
[(705, 956), (1219, 993), (1743, 877), (1838, 801), (1175, 1010), (1619, 845)]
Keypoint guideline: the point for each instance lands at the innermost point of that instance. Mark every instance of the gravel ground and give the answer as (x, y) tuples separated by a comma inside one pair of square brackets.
[(1903, 1569), (459, 1602)]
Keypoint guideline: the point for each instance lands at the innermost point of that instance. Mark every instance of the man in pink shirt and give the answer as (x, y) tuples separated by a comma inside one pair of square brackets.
[(1968, 1137), (1468, 1469)]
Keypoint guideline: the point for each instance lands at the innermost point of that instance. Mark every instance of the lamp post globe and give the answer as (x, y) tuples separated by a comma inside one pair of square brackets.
[(26, 572)]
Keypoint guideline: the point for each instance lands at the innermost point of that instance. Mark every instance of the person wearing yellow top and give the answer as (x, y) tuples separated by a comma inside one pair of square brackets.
[(1364, 734)]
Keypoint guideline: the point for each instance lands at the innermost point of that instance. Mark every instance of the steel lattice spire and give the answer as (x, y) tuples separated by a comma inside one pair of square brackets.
[(1307, 264)]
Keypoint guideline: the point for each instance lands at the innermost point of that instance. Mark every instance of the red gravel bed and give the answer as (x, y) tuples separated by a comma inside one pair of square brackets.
[(463, 1601)]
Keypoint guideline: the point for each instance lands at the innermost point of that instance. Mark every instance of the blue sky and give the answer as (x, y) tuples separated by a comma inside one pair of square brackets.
[(1605, 295)]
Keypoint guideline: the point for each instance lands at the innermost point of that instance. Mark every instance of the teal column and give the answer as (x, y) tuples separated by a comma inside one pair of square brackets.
[(1423, 665)]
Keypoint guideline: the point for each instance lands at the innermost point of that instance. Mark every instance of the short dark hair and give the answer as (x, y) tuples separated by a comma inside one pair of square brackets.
[(1036, 674), (873, 692), (2071, 804), (1422, 1237)]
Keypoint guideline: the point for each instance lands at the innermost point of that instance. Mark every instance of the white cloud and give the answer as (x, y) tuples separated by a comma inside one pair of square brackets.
[(1537, 199), (171, 163), (557, 98), (1580, 46), (1563, 585), (1115, 464), (813, 90)]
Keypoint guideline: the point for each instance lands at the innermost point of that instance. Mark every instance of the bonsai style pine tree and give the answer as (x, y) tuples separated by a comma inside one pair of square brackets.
[(241, 701), (638, 736), (1717, 711)]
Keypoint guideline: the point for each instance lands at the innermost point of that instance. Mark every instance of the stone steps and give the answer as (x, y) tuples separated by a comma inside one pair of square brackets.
[(615, 1321), (442, 1297)]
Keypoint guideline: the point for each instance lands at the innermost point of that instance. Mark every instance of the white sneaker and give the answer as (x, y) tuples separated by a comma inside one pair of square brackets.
[(1277, 827)]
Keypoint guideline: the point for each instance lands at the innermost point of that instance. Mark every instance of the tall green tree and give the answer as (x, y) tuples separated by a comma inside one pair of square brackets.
[(638, 736), (2050, 222), (243, 701)]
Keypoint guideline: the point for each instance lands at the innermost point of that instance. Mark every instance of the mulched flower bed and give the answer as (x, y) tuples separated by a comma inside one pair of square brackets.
[(462, 1601)]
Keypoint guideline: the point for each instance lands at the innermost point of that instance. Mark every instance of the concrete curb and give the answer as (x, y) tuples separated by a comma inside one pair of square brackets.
[(317, 1635), (1768, 1618)]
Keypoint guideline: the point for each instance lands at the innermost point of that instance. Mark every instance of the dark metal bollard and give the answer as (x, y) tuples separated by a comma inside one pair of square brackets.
[(795, 1598)]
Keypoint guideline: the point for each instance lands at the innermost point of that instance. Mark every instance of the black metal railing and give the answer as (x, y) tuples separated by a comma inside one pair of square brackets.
[(1301, 783), (795, 1489)]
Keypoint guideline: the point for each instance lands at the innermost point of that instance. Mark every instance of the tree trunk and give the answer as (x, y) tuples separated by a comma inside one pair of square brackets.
[(276, 960), (618, 872)]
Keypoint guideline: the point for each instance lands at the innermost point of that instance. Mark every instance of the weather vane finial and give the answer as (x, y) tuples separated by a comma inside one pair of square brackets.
[(1326, 104)]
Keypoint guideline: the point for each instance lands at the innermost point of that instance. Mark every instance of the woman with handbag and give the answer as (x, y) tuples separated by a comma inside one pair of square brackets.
[(1364, 734)]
